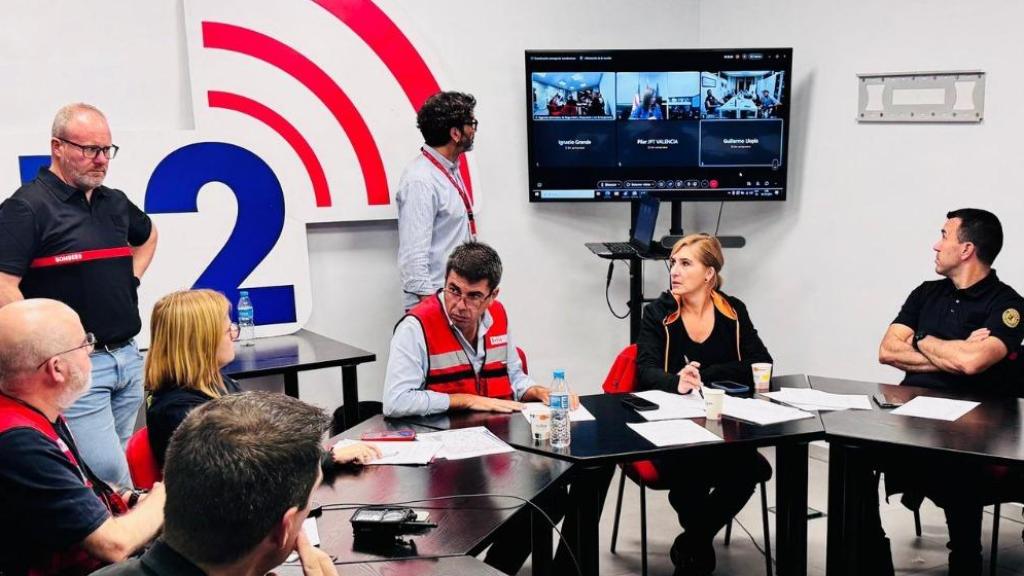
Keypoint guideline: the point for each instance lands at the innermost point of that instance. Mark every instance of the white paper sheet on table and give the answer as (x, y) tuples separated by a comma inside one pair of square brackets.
[(936, 408), (466, 443), (761, 411), (674, 432), (400, 452), (672, 406), (312, 533), (580, 414), (810, 399)]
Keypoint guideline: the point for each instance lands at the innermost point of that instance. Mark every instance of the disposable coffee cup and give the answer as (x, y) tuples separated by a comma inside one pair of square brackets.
[(762, 376), (540, 423), (714, 401)]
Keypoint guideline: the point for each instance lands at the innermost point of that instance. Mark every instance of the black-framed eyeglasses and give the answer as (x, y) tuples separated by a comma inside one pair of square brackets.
[(474, 123), (90, 343), (91, 152), (473, 298), (233, 331)]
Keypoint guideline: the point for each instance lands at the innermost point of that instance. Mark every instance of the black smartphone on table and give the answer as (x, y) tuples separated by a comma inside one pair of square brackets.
[(637, 403), (884, 402)]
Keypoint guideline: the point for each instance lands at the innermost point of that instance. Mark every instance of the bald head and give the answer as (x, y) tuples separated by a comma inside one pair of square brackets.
[(30, 332)]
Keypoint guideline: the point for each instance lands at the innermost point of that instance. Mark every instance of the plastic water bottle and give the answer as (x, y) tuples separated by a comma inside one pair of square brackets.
[(246, 325), (559, 401)]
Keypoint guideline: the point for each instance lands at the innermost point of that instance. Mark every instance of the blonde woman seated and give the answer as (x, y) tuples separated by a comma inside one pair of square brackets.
[(191, 339), (691, 336)]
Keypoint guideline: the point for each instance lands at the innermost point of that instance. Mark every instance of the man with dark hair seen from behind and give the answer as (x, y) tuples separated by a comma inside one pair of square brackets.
[(68, 237), (435, 212), (958, 333), (240, 472), (57, 516)]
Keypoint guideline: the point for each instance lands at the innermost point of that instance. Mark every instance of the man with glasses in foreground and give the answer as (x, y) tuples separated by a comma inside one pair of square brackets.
[(453, 351), (59, 518), (435, 211), (67, 237)]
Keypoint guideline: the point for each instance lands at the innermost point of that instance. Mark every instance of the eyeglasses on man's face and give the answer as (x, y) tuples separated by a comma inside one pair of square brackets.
[(473, 298), (91, 152), (474, 123), (89, 343)]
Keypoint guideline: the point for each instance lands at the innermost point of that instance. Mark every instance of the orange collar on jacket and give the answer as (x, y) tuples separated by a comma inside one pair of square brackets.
[(721, 304)]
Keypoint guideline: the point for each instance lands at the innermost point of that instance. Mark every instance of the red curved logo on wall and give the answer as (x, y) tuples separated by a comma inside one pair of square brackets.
[(382, 36)]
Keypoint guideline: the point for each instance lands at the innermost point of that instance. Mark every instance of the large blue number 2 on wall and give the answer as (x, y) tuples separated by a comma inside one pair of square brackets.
[(174, 188)]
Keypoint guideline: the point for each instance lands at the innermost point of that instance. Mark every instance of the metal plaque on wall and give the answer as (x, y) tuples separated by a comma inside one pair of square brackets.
[(957, 96)]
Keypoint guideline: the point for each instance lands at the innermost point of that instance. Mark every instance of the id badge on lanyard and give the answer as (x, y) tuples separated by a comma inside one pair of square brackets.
[(460, 189)]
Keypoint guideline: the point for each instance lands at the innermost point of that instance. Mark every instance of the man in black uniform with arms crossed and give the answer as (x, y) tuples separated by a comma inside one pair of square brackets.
[(963, 333)]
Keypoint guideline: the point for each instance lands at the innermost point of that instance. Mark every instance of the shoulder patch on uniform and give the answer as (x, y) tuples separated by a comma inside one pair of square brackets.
[(1011, 317)]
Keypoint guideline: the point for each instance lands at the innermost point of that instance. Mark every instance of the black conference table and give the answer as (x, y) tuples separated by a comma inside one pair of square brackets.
[(988, 434), (607, 441), (304, 350), (448, 566), (465, 526)]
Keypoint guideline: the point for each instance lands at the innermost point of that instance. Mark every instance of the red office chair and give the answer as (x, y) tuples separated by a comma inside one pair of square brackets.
[(621, 379), (141, 464)]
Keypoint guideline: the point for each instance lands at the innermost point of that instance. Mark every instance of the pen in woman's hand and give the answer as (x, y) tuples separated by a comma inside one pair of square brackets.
[(699, 391)]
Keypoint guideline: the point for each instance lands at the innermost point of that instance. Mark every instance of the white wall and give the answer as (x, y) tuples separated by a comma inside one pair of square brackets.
[(823, 273), (130, 59), (553, 287)]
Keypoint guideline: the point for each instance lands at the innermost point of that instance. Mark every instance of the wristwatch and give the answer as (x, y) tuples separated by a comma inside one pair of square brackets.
[(918, 336)]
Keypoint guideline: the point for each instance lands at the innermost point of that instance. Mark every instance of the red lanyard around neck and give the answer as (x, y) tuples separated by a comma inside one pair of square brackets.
[(462, 192)]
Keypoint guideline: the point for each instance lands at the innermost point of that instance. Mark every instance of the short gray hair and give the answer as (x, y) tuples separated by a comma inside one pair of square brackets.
[(39, 335), (24, 355), (66, 113)]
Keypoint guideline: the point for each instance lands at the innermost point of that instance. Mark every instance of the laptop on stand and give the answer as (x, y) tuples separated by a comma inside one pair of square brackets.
[(642, 241)]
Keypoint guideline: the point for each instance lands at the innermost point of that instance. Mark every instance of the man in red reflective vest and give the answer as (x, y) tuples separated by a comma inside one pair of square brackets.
[(453, 352), (58, 517)]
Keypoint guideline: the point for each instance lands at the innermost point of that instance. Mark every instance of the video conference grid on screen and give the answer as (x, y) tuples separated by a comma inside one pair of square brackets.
[(687, 124)]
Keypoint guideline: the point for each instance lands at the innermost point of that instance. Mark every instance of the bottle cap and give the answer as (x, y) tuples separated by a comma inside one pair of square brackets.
[(243, 293), (560, 374)]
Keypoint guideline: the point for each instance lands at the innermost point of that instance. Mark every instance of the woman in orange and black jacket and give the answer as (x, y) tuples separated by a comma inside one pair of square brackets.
[(693, 335)]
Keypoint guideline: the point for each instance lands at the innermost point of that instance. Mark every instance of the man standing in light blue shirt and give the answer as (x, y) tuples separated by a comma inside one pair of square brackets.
[(435, 212)]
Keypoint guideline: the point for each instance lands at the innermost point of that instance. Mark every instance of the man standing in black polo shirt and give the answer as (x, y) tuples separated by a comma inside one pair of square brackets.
[(67, 237), (963, 333)]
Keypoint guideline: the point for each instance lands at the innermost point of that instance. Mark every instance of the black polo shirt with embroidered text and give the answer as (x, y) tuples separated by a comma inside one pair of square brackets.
[(939, 309), (77, 251)]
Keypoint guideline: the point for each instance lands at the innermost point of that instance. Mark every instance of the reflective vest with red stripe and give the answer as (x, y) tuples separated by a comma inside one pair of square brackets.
[(449, 369), (74, 560)]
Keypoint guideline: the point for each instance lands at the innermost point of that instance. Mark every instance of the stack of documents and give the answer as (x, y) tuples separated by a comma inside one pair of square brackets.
[(674, 432), (761, 411), (936, 408), (580, 414), (809, 399), (672, 406), (401, 452), (465, 443)]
